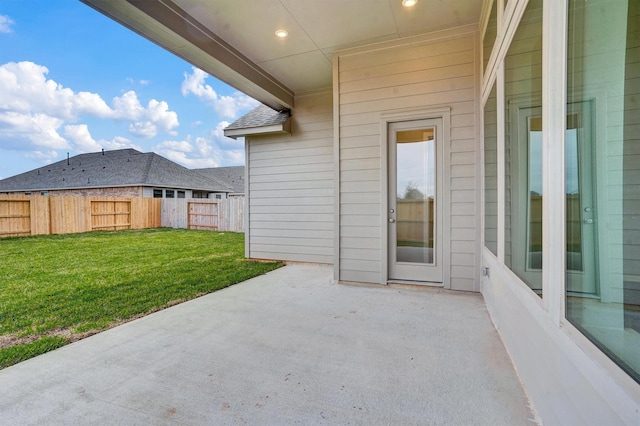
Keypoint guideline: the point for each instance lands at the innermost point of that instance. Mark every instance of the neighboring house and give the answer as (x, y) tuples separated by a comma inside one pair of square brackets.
[(118, 173), (232, 177), (475, 145)]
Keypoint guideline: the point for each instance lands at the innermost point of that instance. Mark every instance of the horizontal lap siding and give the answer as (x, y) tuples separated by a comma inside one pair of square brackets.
[(291, 187), (414, 76)]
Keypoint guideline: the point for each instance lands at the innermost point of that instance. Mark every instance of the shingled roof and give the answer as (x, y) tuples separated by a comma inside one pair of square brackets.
[(230, 176), (260, 120), (118, 168)]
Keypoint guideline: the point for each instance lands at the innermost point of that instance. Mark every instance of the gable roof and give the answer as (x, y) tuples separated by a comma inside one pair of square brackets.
[(233, 176), (123, 167)]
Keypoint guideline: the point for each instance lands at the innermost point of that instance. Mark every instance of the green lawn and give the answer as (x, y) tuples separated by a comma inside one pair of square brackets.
[(58, 289)]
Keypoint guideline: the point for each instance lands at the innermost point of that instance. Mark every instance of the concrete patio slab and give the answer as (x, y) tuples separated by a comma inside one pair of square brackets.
[(289, 347)]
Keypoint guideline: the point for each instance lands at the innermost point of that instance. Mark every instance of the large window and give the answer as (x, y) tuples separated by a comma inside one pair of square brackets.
[(603, 177), (523, 149)]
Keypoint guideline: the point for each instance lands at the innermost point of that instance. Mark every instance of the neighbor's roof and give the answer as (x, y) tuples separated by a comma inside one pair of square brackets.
[(260, 120), (123, 167), (231, 176)]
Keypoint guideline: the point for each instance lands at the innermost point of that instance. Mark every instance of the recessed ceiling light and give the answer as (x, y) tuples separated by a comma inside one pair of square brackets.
[(409, 3), (281, 33)]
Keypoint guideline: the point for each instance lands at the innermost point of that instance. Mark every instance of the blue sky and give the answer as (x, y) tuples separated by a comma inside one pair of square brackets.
[(73, 81)]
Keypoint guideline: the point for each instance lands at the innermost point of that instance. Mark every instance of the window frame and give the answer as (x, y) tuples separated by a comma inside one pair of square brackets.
[(554, 113)]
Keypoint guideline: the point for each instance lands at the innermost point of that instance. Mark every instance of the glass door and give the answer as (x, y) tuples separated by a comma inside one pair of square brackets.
[(415, 230), (581, 262)]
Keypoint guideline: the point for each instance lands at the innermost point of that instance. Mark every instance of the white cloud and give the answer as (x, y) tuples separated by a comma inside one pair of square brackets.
[(180, 146), (24, 88), (218, 132), (81, 138), (234, 157), (191, 162), (155, 115), (5, 24), (224, 142), (82, 141), (144, 129), (46, 157), (127, 106), (140, 82), (214, 151), (118, 143), (34, 108), (190, 154), (224, 106), (36, 130), (158, 113)]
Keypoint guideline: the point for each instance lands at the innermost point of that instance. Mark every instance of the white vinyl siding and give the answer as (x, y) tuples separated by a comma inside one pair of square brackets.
[(423, 74), (291, 179)]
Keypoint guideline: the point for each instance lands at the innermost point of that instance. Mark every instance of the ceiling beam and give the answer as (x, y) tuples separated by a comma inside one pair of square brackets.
[(166, 24)]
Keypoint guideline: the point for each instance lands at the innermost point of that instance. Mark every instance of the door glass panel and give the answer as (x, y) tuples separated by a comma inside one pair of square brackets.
[(415, 189), (580, 200), (534, 210), (573, 172), (577, 148)]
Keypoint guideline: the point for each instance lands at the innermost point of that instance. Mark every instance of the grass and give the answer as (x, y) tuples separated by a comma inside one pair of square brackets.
[(58, 289)]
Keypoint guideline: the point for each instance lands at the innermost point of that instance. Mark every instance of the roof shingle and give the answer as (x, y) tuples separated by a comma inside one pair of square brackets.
[(123, 167), (230, 176), (260, 116)]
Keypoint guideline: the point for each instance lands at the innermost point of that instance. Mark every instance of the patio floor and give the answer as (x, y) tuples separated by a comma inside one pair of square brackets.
[(290, 347)]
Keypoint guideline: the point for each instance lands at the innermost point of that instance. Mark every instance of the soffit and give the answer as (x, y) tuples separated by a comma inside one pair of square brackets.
[(317, 28)]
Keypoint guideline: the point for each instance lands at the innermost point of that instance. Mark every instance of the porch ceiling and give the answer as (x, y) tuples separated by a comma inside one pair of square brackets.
[(236, 42)]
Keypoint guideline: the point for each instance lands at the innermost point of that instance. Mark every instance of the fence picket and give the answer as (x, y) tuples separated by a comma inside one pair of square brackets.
[(41, 215)]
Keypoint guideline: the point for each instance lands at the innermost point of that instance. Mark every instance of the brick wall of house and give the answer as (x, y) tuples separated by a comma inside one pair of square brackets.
[(129, 191)]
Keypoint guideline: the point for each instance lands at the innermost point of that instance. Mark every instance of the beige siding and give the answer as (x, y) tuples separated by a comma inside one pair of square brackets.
[(291, 187), (420, 75)]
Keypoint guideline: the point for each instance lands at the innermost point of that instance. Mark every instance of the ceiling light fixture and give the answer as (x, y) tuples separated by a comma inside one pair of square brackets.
[(409, 3), (281, 33)]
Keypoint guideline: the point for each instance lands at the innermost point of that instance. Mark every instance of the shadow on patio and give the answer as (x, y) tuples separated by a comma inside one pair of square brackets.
[(287, 347)]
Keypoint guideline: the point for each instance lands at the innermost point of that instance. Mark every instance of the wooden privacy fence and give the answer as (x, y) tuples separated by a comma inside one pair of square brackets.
[(414, 222), (41, 215), (207, 214)]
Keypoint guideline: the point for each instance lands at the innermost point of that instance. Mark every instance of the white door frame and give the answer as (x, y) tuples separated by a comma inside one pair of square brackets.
[(443, 113)]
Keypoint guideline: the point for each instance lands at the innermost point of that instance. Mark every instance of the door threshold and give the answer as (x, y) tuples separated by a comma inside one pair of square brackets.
[(415, 283)]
